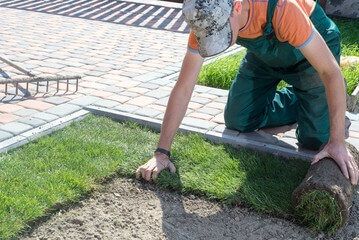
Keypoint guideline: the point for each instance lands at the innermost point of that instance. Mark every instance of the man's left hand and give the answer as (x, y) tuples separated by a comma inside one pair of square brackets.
[(342, 156)]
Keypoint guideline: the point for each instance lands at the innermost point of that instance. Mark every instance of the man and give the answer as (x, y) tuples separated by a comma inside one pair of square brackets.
[(291, 40)]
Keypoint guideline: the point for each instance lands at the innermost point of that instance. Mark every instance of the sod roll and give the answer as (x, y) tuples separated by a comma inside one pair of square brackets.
[(323, 200)]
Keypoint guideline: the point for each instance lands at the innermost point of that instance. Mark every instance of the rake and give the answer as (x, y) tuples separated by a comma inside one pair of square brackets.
[(32, 78)]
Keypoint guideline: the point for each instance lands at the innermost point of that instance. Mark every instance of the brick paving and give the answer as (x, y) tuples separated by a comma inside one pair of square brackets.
[(127, 72)]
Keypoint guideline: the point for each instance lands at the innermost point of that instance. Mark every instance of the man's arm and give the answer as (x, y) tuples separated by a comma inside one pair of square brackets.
[(319, 55), (175, 111)]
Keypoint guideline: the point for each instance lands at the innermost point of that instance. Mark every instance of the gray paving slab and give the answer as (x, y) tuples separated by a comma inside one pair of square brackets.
[(15, 127), (32, 121), (148, 112), (5, 135), (84, 100), (106, 103), (127, 108), (56, 100), (158, 93), (198, 123), (25, 112), (63, 109), (45, 116)]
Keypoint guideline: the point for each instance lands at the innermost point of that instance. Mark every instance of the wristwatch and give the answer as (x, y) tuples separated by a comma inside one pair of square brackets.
[(164, 151)]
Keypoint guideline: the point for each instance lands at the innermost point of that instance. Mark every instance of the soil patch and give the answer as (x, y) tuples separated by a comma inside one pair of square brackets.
[(127, 209)]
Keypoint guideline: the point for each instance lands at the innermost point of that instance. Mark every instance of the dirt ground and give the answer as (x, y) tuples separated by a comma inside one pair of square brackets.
[(127, 209)]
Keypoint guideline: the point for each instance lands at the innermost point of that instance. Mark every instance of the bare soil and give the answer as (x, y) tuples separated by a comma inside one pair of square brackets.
[(127, 209)]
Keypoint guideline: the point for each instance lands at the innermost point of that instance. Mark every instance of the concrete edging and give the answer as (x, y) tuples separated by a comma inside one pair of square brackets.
[(43, 130), (227, 137)]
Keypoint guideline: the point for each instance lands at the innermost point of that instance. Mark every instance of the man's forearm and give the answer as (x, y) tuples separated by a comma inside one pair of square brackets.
[(336, 98), (179, 98), (175, 111)]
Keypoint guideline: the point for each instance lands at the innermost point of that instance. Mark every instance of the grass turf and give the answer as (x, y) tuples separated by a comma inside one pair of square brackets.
[(320, 211), (60, 168), (221, 73)]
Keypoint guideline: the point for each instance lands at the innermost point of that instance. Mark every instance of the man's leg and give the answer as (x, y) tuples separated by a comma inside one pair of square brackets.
[(313, 114), (253, 101)]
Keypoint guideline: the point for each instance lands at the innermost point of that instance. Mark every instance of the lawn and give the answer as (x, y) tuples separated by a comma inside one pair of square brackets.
[(221, 73), (58, 169)]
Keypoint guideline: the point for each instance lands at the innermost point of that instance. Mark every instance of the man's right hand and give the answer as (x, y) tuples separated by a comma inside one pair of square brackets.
[(150, 170)]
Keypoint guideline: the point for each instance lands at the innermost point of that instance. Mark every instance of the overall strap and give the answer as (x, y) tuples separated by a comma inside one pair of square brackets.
[(268, 29)]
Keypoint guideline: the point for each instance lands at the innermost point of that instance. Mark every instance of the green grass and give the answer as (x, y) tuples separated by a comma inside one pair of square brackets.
[(222, 72), (60, 168), (320, 211)]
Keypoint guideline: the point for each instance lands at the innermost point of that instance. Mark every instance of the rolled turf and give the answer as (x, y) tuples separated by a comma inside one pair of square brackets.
[(323, 200)]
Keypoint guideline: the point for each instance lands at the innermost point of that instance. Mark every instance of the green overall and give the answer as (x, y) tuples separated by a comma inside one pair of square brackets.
[(253, 100)]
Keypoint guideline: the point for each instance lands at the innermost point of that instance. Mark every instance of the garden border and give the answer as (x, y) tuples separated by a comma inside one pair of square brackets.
[(43, 130), (227, 136)]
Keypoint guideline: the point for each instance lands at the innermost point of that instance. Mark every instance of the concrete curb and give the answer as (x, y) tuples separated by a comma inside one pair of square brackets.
[(43, 130), (227, 136)]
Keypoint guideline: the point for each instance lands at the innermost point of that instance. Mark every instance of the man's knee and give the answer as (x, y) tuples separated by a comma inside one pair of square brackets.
[(239, 120)]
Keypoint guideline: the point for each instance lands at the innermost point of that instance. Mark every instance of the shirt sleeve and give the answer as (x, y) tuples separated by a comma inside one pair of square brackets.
[(292, 24), (192, 42)]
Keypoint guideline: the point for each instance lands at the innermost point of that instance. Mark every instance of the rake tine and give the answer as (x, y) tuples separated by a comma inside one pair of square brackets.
[(27, 87), (37, 87), (47, 86), (77, 84), (67, 86), (6, 88), (58, 86), (16, 88)]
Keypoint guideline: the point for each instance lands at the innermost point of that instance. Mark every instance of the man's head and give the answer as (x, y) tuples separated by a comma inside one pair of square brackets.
[(212, 23)]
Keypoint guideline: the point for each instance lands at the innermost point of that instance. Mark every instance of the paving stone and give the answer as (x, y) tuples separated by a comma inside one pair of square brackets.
[(63, 109), (219, 118), (150, 86), (9, 108), (35, 122), (200, 116), (148, 112), (148, 77), (7, 117), (5, 135), (198, 123), (194, 106), (201, 89), (45, 116), (35, 104), (159, 93), (206, 95), (113, 89), (222, 99), (119, 98), (138, 90), (15, 127), (141, 101), (217, 105), (25, 112), (130, 94), (106, 103), (56, 100), (218, 92), (210, 111), (127, 108), (162, 101), (84, 100), (161, 81), (200, 100)]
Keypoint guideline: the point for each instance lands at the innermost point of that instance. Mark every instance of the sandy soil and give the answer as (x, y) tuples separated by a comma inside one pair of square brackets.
[(127, 209)]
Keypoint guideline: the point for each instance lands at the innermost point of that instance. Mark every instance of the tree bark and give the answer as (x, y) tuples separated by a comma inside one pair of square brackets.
[(326, 176)]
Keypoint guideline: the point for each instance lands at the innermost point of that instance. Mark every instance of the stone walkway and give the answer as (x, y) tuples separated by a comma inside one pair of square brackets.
[(128, 73)]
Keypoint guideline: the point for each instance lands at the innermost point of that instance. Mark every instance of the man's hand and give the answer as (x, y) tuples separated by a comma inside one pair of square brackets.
[(341, 155), (154, 166)]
